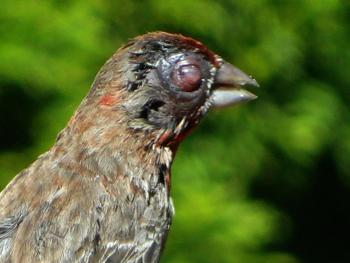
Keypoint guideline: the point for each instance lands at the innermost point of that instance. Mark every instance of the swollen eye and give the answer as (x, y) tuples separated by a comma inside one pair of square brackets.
[(187, 76)]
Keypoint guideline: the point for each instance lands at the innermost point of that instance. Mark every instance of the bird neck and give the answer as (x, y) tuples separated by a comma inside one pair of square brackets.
[(100, 147)]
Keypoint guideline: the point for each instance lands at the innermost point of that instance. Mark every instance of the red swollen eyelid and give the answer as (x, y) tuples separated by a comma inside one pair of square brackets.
[(190, 76), (187, 75)]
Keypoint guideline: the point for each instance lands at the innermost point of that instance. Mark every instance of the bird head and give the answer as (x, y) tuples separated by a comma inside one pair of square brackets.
[(163, 84)]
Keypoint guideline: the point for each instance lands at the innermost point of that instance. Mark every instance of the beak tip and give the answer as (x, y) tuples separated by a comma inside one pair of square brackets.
[(223, 98), (254, 97), (254, 83), (230, 75)]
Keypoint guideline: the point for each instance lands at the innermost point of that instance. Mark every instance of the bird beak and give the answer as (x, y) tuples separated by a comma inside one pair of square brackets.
[(227, 87)]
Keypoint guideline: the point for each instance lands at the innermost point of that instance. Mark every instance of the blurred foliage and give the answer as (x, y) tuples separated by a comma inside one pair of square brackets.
[(265, 182)]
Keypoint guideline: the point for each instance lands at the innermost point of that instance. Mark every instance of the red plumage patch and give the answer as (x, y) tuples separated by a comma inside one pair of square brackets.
[(108, 99)]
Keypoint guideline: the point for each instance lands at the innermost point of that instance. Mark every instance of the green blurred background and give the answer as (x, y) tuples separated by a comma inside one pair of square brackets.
[(264, 182)]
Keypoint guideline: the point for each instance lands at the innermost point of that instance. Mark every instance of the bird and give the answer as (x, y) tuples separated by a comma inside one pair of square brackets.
[(102, 192)]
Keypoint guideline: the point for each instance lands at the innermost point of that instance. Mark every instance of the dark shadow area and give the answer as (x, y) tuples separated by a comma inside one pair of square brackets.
[(320, 213), (18, 110)]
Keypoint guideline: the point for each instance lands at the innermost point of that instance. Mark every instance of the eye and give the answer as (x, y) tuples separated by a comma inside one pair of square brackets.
[(187, 74)]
